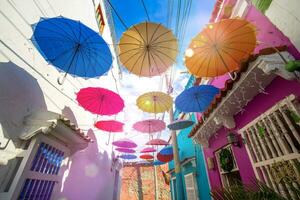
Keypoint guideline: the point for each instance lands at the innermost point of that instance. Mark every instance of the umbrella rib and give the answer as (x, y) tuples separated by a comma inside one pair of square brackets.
[(70, 27), (160, 60), (136, 62), (208, 64), (155, 64), (166, 55), (83, 58), (97, 54), (141, 42), (58, 33), (174, 40), (71, 36), (61, 54), (238, 50), (245, 24), (144, 56), (168, 31), (230, 56), (139, 34), (133, 49), (226, 29), (157, 27), (130, 43), (157, 47), (241, 34)]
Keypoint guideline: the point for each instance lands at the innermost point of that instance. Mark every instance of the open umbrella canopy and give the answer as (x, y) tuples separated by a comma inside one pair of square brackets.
[(196, 98), (110, 125), (157, 162), (128, 156), (168, 150), (164, 158), (146, 157), (125, 150), (100, 101), (157, 142), (154, 102), (148, 150), (149, 126), (124, 143), (180, 124), (148, 49), (72, 47), (220, 48)]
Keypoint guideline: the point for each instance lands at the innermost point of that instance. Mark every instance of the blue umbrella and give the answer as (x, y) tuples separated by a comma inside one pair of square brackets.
[(157, 162), (128, 156), (168, 150), (196, 98), (180, 124), (72, 47)]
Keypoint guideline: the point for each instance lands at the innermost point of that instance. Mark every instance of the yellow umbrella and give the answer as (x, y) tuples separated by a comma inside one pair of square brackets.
[(220, 48), (154, 102), (147, 49)]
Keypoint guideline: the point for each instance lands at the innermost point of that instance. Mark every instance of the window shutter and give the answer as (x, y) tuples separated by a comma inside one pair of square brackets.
[(190, 187)]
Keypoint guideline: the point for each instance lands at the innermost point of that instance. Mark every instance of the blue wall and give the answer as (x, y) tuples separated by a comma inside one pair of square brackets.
[(188, 149)]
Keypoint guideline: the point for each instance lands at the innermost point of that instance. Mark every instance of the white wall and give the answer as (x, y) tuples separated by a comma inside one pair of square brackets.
[(286, 16), (29, 83)]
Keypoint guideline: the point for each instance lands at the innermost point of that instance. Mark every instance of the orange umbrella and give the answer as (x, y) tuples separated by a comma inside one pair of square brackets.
[(220, 48), (148, 49)]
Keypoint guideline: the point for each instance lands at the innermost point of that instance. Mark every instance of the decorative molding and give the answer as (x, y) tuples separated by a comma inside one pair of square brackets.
[(226, 121)]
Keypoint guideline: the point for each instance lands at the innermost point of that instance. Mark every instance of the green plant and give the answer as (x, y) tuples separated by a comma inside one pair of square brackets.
[(261, 131), (257, 191), (226, 160)]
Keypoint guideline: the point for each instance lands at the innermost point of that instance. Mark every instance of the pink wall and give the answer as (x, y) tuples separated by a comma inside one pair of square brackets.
[(87, 175), (277, 90)]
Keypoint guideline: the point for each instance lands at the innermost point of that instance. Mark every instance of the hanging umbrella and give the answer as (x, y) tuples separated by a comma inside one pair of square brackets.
[(168, 150), (128, 156), (157, 162), (220, 48), (100, 101), (148, 150), (109, 126), (125, 143), (154, 102), (148, 49), (164, 158), (157, 142), (72, 47), (196, 98), (180, 124), (146, 157), (125, 150), (149, 126)]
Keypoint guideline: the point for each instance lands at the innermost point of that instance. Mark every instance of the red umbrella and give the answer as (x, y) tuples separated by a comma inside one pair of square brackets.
[(148, 150), (157, 142), (125, 150), (124, 143), (100, 101), (146, 157), (164, 158), (149, 126), (110, 125)]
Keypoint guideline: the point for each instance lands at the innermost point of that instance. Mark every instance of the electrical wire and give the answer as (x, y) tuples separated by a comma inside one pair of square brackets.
[(117, 14), (145, 8)]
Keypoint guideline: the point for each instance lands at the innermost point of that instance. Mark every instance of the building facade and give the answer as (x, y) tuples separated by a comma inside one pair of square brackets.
[(252, 129), (46, 149)]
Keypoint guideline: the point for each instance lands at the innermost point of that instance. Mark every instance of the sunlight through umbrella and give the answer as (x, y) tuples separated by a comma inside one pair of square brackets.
[(149, 126), (154, 102), (220, 48)]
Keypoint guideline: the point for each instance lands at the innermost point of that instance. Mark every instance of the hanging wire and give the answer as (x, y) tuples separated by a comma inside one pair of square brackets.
[(145, 8), (117, 14)]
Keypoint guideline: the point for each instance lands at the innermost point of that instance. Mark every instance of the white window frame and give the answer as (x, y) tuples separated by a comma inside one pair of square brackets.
[(195, 186), (24, 171), (173, 188), (223, 174)]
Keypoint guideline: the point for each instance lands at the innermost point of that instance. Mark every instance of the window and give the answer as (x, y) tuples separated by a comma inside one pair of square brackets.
[(232, 177), (173, 188), (190, 186), (273, 144), (100, 19)]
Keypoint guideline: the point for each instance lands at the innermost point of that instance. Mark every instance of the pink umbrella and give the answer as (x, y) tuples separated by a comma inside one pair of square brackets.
[(148, 150), (109, 126), (219, 81), (125, 143), (100, 101), (150, 126), (157, 142), (125, 150)]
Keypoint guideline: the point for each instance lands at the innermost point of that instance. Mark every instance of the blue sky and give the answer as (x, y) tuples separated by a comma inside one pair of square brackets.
[(132, 12)]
